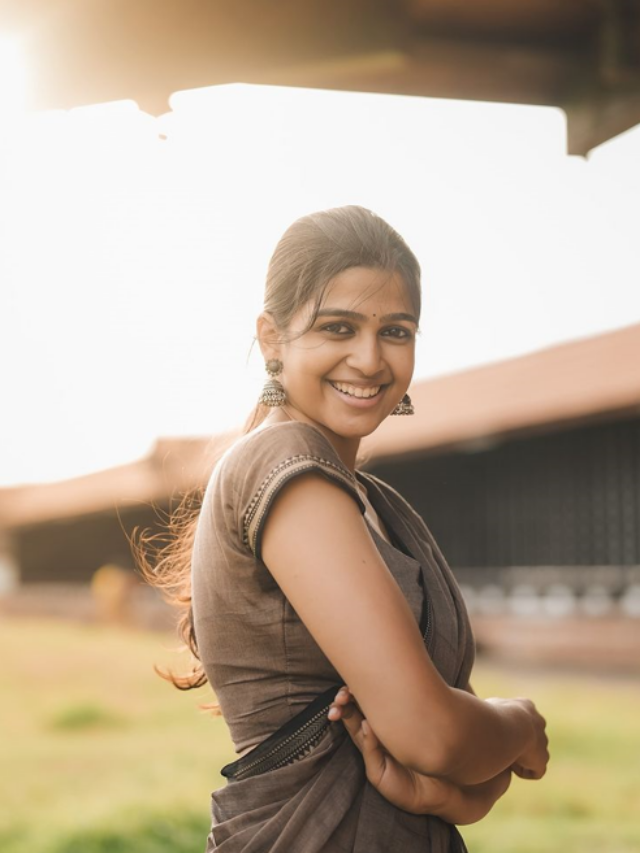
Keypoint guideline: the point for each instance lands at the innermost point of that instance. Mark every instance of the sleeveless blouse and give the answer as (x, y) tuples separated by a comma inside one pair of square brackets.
[(265, 667)]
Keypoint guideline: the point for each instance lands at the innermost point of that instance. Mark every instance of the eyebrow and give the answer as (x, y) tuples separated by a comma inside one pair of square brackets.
[(355, 315)]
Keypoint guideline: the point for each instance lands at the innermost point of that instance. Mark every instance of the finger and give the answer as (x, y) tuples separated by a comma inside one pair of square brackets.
[(334, 712), (369, 735), (372, 753), (353, 725), (344, 696), (527, 772), (341, 699), (367, 742), (350, 698), (343, 705)]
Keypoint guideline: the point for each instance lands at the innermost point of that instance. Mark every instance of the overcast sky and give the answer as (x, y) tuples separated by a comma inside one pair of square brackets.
[(133, 250)]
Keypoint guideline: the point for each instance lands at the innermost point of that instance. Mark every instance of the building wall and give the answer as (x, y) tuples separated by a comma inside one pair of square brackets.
[(566, 498), (570, 498), (72, 550)]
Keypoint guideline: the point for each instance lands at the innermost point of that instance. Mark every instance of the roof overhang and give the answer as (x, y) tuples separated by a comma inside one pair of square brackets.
[(579, 55), (583, 381)]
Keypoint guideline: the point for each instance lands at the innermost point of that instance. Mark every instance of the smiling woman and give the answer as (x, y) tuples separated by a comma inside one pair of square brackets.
[(301, 574), (346, 370)]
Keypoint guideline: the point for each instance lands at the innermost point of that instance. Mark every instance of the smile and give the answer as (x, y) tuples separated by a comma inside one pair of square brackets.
[(356, 391)]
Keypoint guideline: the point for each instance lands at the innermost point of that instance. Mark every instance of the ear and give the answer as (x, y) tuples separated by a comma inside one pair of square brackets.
[(267, 336)]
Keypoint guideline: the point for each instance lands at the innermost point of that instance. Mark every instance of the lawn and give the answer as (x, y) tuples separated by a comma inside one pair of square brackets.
[(99, 755)]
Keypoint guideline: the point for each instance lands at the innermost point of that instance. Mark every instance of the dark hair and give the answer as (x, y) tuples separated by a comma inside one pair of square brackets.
[(310, 253), (318, 247)]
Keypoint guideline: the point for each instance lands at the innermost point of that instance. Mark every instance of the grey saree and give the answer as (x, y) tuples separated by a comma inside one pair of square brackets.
[(302, 787)]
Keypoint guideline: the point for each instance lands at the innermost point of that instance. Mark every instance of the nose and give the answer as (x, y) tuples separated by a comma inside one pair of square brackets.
[(365, 355)]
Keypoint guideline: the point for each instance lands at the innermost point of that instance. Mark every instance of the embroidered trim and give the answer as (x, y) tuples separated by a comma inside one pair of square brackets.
[(275, 479)]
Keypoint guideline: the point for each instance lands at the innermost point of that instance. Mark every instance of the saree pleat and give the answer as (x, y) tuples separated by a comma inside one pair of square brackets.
[(298, 807)]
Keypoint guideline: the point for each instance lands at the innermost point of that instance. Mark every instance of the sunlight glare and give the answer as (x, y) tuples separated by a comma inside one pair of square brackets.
[(12, 77), (134, 250)]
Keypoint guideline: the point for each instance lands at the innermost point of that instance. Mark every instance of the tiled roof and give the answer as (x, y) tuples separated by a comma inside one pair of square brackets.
[(173, 466), (574, 382)]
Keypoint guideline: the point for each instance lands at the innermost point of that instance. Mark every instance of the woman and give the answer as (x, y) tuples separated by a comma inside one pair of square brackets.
[(307, 574)]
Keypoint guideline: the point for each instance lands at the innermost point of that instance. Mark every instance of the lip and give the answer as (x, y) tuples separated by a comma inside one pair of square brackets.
[(358, 402), (357, 384)]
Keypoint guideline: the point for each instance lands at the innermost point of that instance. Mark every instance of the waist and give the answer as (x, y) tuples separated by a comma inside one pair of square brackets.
[(286, 744)]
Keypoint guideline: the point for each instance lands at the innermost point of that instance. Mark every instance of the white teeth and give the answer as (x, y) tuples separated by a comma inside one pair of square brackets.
[(354, 391)]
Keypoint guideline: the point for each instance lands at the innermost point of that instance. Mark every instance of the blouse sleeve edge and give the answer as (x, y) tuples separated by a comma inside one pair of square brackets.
[(274, 482)]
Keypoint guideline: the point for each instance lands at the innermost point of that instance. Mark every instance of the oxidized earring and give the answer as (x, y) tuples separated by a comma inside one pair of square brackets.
[(404, 407), (273, 392)]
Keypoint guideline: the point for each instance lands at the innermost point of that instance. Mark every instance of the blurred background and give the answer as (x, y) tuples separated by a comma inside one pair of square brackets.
[(150, 157)]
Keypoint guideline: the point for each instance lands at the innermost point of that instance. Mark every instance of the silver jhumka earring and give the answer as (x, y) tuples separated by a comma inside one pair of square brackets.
[(404, 407), (273, 393)]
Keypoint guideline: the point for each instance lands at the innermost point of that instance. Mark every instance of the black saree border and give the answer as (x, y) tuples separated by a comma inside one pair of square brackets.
[(282, 746)]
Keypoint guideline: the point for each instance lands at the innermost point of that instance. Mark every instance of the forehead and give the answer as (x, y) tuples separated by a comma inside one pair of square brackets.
[(368, 291)]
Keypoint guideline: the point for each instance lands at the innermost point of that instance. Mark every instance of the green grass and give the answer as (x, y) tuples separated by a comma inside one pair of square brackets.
[(590, 798), (99, 755), (86, 715)]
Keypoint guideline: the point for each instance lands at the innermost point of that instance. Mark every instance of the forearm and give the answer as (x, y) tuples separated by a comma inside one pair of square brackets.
[(481, 739), (414, 791)]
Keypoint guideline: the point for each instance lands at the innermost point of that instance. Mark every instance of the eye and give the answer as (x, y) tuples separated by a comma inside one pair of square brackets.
[(398, 332), (337, 329)]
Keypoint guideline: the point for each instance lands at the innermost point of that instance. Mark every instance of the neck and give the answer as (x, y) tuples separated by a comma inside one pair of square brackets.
[(346, 448)]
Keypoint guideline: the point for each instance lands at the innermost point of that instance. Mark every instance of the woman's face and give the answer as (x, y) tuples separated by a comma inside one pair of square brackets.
[(350, 370)]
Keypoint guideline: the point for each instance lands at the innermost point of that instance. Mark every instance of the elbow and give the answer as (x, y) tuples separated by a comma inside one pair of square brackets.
[(435, 755), (430, 743)]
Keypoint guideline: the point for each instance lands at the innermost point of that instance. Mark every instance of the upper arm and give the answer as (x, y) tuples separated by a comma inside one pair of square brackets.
[(316, 545)]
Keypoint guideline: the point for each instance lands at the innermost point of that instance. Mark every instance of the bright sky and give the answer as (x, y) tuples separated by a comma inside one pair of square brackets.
[(133, 250)]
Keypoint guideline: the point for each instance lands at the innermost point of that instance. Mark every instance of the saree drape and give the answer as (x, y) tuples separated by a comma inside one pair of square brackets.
[(266, 668)]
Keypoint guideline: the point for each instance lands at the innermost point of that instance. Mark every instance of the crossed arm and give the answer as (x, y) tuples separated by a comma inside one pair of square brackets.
[(438, 741), (411, 791)]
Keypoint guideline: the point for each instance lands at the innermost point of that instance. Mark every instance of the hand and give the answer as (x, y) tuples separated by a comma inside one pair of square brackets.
[(411, 791), (532, 764), (403, 787)]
